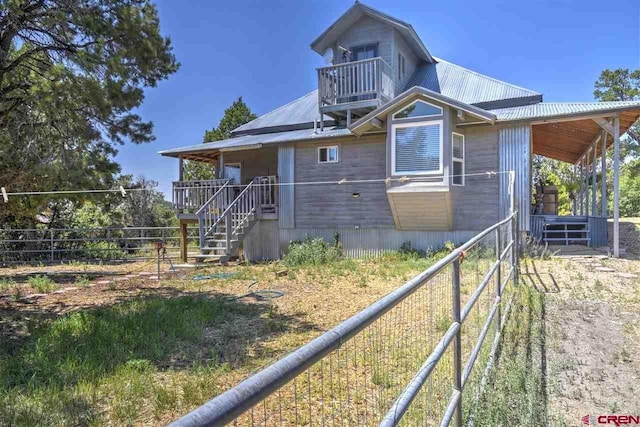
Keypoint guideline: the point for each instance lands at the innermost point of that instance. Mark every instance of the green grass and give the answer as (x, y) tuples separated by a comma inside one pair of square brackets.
[(43, 284), (115, 356), (516, 390)]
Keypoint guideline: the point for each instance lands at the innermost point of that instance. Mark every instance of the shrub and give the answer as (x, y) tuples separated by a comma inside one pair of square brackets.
[(314, 251), (42, 284), (103, 250)]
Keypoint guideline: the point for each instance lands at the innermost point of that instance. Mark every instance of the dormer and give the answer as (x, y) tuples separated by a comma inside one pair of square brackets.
[(370, 56)]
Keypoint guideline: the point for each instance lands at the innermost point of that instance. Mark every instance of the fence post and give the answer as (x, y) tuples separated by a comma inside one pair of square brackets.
[(499, 276), (52, 253), (516, 247), (457, 342)]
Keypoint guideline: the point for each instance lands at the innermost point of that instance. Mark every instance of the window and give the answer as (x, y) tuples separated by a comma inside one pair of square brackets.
[(368, 51), (401, 69), (328, 154), (417, 148), (457, 157), (418, 109)]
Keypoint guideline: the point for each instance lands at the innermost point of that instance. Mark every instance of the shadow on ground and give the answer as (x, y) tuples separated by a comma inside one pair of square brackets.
[(168, 329)]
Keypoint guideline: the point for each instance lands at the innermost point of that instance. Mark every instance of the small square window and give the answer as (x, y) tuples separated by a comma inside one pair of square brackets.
[(328, 154)]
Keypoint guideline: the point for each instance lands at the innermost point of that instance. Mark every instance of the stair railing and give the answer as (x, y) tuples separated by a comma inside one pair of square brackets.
[(211, 213), (238, 213)]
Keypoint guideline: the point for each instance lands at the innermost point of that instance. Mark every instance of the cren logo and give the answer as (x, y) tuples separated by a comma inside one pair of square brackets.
[(617, 420)]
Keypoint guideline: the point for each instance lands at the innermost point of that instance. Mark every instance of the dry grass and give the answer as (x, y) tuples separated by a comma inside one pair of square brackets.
[(135, 351)]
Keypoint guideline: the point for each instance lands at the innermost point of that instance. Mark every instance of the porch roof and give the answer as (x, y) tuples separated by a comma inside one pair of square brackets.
[(209, 150), (566, 130)]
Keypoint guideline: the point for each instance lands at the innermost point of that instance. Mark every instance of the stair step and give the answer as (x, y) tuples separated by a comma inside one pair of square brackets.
[(569, 239), (567, 231), (221, 240), (547, 224)]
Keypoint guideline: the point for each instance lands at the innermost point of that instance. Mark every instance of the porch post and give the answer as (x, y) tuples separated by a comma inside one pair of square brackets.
[(603, 184), (594, 187), (616, 186), (221, 167), (575, 196), (586, 182), (582, 185), (184, 242), (180, 169)]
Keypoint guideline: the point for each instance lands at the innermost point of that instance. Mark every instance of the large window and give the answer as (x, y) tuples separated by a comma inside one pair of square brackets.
[(417, 148), (457, 157)]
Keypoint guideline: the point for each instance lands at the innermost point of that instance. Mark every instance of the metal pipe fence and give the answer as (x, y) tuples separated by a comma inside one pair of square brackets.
[(418, 356), (106, 243)]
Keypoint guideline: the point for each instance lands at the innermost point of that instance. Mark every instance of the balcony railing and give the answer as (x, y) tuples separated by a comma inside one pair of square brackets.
[(351, 82), (189, 196)]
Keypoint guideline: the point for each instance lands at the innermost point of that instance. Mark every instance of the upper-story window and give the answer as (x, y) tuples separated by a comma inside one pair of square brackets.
[(401, 65), (368, 51), (416, 148), (418, 109)]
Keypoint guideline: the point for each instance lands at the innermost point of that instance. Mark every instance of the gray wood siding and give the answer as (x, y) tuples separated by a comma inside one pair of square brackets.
[(261, 162), (476, 205), (333, 205), (286, 196), (411, 62), (366, 31)]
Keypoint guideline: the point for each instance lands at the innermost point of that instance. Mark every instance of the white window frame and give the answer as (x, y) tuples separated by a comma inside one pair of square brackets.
[(417, 117), (328, 147), (395, 126), (458, 159)]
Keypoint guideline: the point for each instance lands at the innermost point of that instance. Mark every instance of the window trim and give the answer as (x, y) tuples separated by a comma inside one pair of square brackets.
[(395, 126), (458, 159), (328, 147), (393, 117)]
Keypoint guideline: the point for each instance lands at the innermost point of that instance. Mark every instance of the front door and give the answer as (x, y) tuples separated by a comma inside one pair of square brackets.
[(233, 172)]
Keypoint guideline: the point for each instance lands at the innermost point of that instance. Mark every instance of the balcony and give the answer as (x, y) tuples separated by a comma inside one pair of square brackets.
[(353, 89)]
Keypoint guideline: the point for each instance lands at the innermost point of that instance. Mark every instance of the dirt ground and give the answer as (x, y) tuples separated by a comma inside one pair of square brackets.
[(592, 322)]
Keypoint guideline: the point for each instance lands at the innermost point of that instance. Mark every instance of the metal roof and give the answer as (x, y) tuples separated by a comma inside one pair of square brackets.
[(302, 111), (469, 86), (447, 79), (261, 139), (544, 110)]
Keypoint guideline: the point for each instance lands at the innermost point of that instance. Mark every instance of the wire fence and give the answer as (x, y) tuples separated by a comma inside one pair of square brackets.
[(419, 356), (107, 243)]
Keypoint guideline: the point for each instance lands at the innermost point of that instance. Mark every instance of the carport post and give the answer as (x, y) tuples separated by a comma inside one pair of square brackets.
[(603, 183), (616, 186)]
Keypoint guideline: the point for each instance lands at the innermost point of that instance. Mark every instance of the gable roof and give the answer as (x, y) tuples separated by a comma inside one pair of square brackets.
[(471, 87), (417, 92), (357, 11)]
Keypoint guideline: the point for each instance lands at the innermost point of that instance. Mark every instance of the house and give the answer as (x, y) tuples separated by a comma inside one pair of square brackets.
[(395, 146)]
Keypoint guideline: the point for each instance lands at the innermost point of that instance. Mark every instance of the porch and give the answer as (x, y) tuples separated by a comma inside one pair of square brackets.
[(583, 141), (226, 208)]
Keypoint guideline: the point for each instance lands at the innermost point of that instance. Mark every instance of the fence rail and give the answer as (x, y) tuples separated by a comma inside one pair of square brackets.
[(106, 243), (399, 361)]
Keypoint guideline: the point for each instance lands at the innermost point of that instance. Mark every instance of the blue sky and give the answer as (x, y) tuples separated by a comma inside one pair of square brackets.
[(260, 50)]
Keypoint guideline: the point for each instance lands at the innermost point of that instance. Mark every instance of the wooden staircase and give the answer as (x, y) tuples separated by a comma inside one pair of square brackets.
[(227, 218)]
